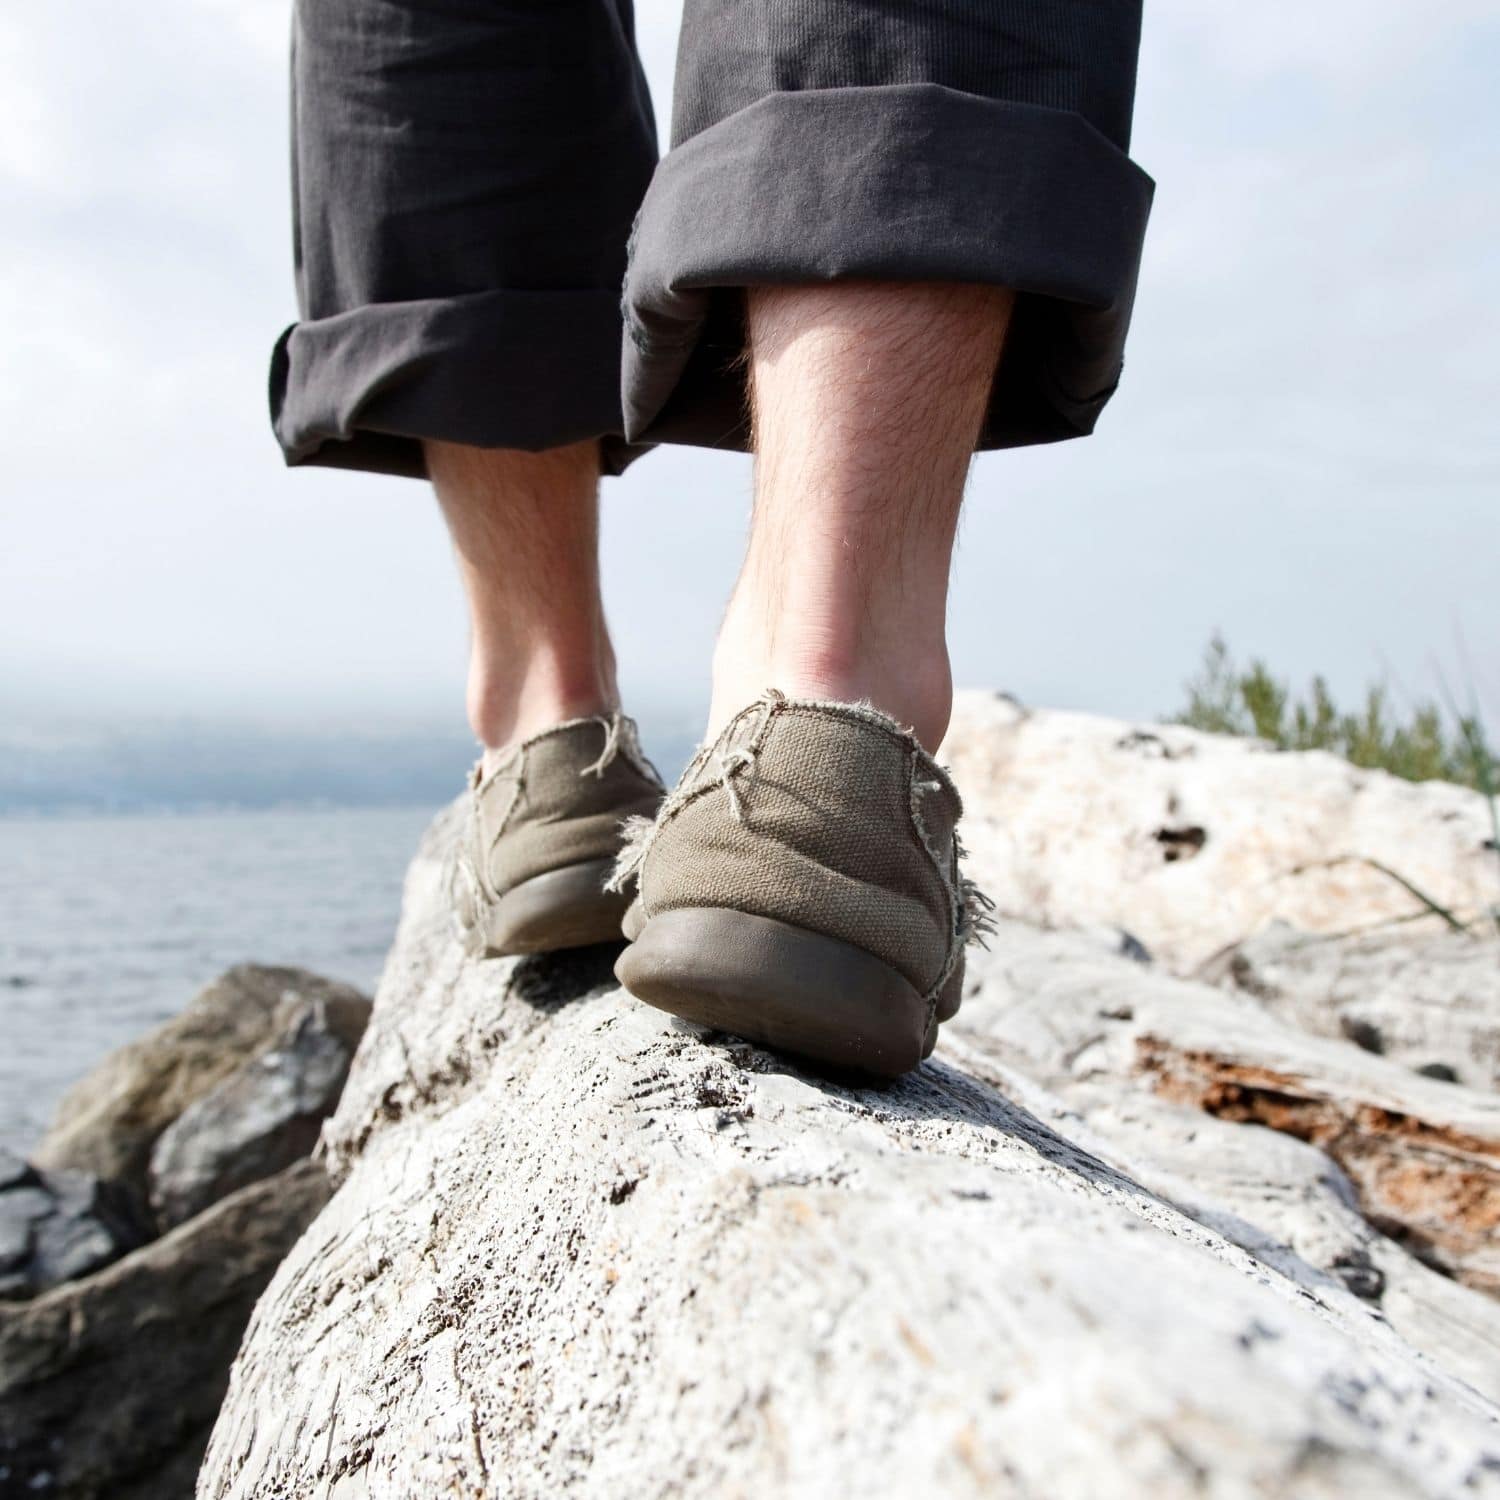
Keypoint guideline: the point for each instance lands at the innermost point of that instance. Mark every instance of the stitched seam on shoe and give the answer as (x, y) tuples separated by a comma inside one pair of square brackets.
[(631, 862), (684, 798), (517, 788), (516, 755), (950, 891), (517, 785), (875, 718), (864, 714), (630, 742)]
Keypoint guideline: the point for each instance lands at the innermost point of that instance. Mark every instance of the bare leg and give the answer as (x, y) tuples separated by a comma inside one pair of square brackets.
[(867, 400), (526, 530)]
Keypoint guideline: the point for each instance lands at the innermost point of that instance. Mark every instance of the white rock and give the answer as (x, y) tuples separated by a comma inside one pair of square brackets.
[(1424, 1155), (1194, 842), (1432, 1004), (1110, 1075), (578, 1250)]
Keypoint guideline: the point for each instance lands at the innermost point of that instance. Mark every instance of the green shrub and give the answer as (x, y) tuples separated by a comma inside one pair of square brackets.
[(1422, 745)]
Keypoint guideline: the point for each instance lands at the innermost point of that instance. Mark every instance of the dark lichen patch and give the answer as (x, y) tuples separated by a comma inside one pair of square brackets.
[(1365, 1035), (1181, 842), (1360, 1274)]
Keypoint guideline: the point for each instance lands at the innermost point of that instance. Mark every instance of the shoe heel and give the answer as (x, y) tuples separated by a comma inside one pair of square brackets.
[(566, 908), (780, 985)]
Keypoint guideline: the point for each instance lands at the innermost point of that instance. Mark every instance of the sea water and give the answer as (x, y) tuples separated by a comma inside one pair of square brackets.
[(108, 926)]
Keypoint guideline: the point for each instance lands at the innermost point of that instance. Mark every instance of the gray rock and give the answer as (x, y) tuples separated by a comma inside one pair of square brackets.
[(108, 1385), (20, 1210), (55, 1226), (12, 1169), (109, 1122), (261, 1118)]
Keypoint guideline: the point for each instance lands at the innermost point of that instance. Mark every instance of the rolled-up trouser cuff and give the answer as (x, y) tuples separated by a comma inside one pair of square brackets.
[(503, 369), (902, 182)]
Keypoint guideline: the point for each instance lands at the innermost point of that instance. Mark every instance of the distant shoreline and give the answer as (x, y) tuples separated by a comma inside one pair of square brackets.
[(206, 771), (81, 812)]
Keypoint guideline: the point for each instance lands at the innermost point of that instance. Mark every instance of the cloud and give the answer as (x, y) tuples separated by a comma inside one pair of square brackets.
[(1303, 450), (1348, 45)]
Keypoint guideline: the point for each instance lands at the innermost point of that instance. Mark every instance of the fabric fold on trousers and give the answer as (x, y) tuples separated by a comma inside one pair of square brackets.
[(916, 182), (464, 176), (512, 369)]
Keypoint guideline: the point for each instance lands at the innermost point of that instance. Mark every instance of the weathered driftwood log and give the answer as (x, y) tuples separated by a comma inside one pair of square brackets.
[(581, 1250), (1424, 1156), (1195, 842), (1349, 903), (1222, 1109), (1433, 1004)]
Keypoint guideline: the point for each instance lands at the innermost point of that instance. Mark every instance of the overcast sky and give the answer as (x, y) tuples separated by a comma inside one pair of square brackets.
[(1304, 452)]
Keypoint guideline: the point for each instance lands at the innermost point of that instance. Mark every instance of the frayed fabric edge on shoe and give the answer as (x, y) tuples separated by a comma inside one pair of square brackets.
[(636, 831), (621, 737), (976, 922), (865, 711), (972, 922)]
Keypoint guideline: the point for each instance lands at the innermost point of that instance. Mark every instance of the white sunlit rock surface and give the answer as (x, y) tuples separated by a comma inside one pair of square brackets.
[(1195, 842), (1127, 1234)]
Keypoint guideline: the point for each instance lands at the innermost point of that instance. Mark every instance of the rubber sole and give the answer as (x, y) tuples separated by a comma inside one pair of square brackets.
[(780, 985), (566, 908)]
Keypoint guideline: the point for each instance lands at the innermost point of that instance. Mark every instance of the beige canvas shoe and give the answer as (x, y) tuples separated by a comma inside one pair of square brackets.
[(542, 834), (801, 887)]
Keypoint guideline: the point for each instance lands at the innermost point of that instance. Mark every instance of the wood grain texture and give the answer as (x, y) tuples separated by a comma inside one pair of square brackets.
[(580, 1249)]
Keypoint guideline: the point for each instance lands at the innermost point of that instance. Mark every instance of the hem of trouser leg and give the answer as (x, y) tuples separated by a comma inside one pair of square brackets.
[(502, 369), (901, 182)]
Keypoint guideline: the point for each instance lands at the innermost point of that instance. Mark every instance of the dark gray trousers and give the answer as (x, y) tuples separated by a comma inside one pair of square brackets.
[(475, 182)]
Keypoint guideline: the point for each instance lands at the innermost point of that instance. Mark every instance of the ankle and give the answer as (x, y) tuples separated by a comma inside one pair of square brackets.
[(917, 695), (912, 682), (505, 707)]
